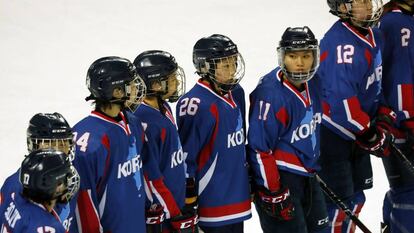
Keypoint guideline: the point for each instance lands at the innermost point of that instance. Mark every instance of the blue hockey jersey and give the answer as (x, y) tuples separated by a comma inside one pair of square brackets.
[(350, 73), (19, 215), (165, 178), (398, 57), (212, 135), (108, 158), (283, 129), (12, 186)]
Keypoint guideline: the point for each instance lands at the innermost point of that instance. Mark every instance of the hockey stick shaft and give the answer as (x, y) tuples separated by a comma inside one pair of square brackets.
[(403, 158), (342, 205)]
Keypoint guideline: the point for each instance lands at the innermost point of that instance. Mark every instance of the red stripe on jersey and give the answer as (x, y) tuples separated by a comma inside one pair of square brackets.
[(326, 108), (289, 158), (163, 134), (407, 92), (87, 213), (225, 210), (205, 153), (270, 170), (283, 116), (106, 144), (323, 56), (368, 56), (1, 198), (357, 211), (356, 114), (166, 196)]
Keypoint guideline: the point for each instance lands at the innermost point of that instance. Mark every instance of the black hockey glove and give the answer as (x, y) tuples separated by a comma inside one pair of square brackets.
[(375, 141), (154, 218), (276, 204), (185, 223)]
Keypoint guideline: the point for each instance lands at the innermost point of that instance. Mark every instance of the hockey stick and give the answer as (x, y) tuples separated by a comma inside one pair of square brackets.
[(341, 205), (403, 158)]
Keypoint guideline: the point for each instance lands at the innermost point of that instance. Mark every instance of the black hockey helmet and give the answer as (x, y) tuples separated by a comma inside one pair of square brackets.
[(50, 130), (208, 51), (109, 73), (298, 39), (376, 8), (406, 5), (156, 66), (42, 171)]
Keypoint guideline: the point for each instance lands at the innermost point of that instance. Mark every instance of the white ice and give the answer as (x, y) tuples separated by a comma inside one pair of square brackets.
[(46, 47)]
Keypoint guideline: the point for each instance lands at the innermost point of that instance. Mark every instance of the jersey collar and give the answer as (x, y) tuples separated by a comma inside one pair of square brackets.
[(123, 124), (370, 40), (168, 113), (228, 98), (306, 101)]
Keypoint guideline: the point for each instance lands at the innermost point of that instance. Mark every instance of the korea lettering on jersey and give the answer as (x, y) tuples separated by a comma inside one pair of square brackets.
[(165, 173), (211, 130), (12, 186), (351, 76), (20, 215), (398, 82), (109, 162), (283, 129)]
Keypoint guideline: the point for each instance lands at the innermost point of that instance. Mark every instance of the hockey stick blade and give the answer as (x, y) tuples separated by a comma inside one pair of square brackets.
[(341, 205), (403, 158)]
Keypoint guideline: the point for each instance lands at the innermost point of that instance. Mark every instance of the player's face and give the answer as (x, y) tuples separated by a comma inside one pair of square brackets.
[(362, 9), (226, 69), (63, 145), (299, 61), (135, 92), (172, 83)]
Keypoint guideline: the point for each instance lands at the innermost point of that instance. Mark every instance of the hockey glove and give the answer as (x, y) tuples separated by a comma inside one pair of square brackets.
[(276, 204), (154, 218), (375, 141), (385, 119), (185, 223)]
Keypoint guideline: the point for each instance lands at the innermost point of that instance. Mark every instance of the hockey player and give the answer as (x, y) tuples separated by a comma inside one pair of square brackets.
[(108, 151), (45, 130), (350, 73), (165, 81), (210, 125), (47, 177), (284, 120), (397, 24)]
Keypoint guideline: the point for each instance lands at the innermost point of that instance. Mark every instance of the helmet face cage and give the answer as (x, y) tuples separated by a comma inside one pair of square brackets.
[(299, 77), (72, 185), (177, 79), (225, 72), (63, 144), (363, 13), (135, 92)]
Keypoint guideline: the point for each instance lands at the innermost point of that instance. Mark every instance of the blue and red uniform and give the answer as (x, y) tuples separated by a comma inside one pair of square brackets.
[(351, 74), (166, 177), (398, 86), (283, 146), (20, 215), (109, 161), (213, 138)]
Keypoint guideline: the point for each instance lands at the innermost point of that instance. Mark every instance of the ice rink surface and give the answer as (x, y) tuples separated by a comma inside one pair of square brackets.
[(46, 47)]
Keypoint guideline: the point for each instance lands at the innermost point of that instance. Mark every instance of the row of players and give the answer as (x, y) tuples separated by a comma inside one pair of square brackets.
[(304, 118)]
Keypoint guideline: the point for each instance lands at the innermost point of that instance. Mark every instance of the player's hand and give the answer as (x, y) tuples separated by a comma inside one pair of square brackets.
[(376, 141), (276, 204), (385, 119), (186, 222), (154, 218)]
